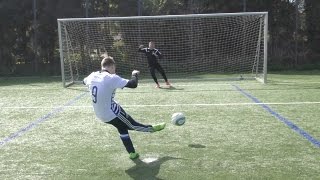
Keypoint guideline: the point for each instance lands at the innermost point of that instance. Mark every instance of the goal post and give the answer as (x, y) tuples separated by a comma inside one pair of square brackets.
[(217, 46)]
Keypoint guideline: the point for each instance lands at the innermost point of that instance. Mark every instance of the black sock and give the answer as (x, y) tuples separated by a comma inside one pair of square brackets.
[(127, 142)]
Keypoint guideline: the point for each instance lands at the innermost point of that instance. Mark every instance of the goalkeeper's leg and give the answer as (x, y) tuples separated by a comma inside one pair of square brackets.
[(153, 74), (163, 74)]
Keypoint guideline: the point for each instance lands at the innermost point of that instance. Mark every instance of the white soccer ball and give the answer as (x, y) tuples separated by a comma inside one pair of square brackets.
[(178, 119)]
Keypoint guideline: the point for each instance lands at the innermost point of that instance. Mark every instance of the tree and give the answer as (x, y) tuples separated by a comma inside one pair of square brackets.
[(17, 30), (15, 34), (313, 27)]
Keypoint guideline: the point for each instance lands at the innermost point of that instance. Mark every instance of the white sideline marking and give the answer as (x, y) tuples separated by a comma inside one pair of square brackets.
[(166, 105)]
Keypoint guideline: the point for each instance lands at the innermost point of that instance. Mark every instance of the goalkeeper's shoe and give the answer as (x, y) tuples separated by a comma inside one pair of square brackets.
[(133, 155), (158, 127), (168, 84), (157, 86)]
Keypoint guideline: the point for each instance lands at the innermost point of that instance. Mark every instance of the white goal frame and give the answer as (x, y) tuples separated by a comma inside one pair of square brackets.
[(64, 51)]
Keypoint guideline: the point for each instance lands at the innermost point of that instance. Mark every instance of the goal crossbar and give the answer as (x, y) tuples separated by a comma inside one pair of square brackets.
[(163, 16)]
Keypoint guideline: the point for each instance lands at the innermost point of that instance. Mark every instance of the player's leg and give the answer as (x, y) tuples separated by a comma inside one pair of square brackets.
[(153, 74), (134, 125), (125, 122), (163, 74), (124, 136)]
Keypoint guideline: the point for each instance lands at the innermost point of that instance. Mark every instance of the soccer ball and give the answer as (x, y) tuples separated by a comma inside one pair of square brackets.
[(178, 119)]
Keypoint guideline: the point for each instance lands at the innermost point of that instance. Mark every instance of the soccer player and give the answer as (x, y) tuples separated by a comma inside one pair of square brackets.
[(102, 85), (152, 54)]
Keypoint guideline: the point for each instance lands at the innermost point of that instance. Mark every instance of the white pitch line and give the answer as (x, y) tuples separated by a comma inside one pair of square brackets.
[(295, 83), (188, 85), (151, 85), (167, 105), (219, 104), (38, 88), (84, 87), (26, 88)]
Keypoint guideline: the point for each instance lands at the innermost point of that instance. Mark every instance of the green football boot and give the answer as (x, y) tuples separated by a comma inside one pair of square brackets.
[(158, 127), (133, 155)]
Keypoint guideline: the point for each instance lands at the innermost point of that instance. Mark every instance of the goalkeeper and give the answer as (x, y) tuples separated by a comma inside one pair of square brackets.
[(102, 85), (152, 54)]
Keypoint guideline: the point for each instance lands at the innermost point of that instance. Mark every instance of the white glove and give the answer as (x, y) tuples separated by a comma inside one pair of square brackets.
[(104, 55), (135, 72)]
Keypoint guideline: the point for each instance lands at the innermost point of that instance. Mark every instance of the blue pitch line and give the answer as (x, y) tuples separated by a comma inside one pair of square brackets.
[(40, 120), (281, 118)]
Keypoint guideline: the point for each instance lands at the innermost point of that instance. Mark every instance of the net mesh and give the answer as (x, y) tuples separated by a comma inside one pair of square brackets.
[(228, 44)]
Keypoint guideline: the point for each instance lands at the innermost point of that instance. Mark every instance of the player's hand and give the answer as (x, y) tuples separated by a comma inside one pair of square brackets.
[(104, 55), (135, 72), (141, 46)]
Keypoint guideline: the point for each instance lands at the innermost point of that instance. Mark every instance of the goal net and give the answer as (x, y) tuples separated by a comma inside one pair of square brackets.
[(224, 45)]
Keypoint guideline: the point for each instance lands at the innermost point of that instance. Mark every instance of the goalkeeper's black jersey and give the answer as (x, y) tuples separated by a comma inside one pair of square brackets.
[(152, 55)]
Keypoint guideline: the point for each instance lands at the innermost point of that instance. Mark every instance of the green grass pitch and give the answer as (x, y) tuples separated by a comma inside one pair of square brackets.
[(50, 132)]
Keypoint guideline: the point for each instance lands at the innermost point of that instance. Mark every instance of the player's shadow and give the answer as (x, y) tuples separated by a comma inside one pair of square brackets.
[(196, 146), (170, 88), (143, 170)]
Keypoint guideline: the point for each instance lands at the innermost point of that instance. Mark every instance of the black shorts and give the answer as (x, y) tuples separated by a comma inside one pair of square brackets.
[(125, 122)]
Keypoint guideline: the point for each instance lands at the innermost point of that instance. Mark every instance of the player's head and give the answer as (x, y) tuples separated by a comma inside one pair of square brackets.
[(108, 64), (152, 45)]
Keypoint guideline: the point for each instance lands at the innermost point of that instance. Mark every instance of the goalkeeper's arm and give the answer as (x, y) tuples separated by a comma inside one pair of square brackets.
[(141, 49), (133, 82), (158, 53)]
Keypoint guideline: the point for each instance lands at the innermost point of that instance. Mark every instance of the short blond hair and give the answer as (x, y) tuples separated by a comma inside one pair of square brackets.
[(107, 61)]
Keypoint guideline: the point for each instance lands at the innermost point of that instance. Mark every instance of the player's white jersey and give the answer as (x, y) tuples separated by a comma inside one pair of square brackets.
[(102, 86)]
